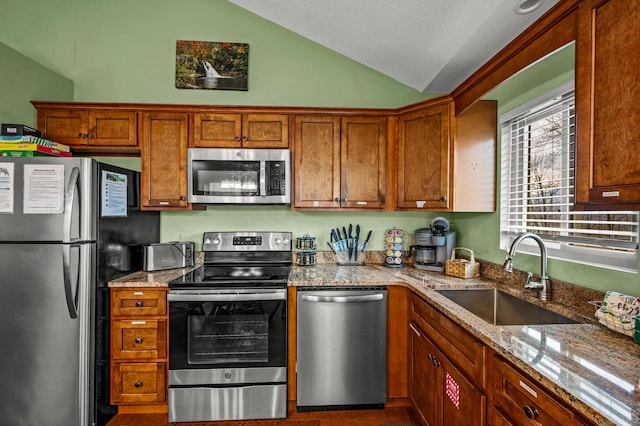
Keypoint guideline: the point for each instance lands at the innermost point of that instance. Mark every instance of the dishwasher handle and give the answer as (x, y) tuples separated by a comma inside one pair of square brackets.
[(343, 299)]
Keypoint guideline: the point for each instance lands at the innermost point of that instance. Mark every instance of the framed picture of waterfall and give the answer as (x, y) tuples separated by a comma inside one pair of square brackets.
[(212, 65)]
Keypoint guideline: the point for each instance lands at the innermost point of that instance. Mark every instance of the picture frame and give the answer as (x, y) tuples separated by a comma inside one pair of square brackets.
[(212, 65)]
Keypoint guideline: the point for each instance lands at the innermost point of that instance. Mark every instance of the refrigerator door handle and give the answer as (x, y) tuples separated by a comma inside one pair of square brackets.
[(69, 198), (71, 298)]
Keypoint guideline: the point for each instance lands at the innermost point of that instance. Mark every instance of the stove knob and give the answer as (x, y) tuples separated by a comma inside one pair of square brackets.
[(216, 241), (278, 241), (207, 241)]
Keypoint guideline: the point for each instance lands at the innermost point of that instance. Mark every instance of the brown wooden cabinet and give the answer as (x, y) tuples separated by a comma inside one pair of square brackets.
[(424, 158), (138, 346), (607, 107), (163, 139), (340, 162), (439, 391), (97, 129), (447, 369), (231, 130), (519, 400), (447, 163)]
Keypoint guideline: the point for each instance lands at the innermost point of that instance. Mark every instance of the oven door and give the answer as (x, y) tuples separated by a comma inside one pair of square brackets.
[(227, 336)]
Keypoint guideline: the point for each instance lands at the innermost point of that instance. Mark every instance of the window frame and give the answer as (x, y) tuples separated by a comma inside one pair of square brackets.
[(560, 249)]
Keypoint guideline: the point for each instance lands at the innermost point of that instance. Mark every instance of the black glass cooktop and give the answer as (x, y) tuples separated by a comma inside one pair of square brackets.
[(211, 276)]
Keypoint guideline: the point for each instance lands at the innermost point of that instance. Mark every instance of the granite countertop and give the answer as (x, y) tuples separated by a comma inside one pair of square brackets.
[(149, 279), (589, 367), (592, 369)]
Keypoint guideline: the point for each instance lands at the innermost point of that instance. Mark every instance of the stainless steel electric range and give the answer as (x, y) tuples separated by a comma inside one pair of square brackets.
[(228, 330)]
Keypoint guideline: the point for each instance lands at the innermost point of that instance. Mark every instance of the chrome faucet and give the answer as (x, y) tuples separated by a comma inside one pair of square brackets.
[(544, 285)]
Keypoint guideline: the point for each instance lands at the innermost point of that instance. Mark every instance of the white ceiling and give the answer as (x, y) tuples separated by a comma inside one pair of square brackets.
[(429, 45)]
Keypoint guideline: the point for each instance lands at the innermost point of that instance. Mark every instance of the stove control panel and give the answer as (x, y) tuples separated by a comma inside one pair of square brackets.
[(247, 241)]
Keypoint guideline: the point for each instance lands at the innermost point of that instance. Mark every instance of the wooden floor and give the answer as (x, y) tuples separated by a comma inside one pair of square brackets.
[(390, 416)]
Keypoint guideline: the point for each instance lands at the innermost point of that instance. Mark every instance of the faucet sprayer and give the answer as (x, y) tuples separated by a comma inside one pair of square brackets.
[(544, 285)]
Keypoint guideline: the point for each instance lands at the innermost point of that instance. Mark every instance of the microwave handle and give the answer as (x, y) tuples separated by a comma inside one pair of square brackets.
[(263, 178)]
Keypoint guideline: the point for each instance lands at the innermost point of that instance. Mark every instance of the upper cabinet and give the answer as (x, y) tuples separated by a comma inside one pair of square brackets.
[(340, 162), (607, 105), (163, 179), (86, 128), (231, 130), (424, 151), (447, 163)]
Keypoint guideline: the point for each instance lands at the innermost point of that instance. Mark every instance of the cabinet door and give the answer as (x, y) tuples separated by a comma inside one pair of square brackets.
[(463, 404), (424, 158), (316, 161), (363, 162), (607, 107), (424, 378), (68, 127), (112, 128), (164, 160), (216, 130), (265, 131)]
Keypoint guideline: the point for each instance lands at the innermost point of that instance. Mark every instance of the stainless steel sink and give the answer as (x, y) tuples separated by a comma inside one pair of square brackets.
[(500, 308)]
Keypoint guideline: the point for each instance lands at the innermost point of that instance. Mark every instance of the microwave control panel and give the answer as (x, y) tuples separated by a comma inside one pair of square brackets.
[(277, 178)]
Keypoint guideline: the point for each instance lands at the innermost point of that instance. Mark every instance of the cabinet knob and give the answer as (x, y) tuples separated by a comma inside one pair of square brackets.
[(443, 198), (82, 135), (182, 198), (237, 138), (138, 384), (138, 304), (244, 139), (138, 340), (530, 412), (89, 136)]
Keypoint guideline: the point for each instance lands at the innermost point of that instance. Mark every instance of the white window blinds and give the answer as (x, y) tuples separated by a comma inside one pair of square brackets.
[(538, 188)]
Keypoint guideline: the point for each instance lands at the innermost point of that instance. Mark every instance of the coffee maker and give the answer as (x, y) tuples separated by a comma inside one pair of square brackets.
[(433, 245)]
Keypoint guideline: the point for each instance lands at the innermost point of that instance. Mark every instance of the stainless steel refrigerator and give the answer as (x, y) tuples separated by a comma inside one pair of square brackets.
[(67, 227)]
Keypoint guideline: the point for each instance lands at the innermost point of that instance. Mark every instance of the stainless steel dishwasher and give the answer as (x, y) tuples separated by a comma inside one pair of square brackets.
[(341, 348)]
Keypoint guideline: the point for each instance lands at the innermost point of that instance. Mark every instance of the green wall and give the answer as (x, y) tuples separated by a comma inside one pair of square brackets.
[(22, 79), (122, 51)]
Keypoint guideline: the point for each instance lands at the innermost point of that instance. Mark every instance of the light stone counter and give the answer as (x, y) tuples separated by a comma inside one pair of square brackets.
[(149, 279), (592, 369)]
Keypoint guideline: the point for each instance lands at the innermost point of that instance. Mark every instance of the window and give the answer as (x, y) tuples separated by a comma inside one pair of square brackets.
[(538, 190)]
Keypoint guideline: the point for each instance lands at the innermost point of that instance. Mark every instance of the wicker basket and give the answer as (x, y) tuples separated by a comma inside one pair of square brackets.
[(462, 268)]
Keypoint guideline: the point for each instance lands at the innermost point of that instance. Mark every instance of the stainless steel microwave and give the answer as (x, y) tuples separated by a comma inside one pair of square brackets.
[(239, 176)]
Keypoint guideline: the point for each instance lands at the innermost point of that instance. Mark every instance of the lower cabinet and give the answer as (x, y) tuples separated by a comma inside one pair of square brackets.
[(139, 348), (447, 370), (439, 391), (518, 400)]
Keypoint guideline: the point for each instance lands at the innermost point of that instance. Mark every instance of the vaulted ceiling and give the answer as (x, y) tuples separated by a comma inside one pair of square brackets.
[(429, 45)]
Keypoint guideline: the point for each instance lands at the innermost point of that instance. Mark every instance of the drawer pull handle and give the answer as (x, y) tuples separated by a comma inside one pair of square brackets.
[(138, 304), (138, 340), (530, 412), (138, 384)]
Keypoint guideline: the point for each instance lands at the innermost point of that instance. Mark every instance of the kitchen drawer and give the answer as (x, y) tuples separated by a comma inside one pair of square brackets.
[(523, 401), (138, 383), (139, 339), (500, 420), (467, 353), (142, 302)]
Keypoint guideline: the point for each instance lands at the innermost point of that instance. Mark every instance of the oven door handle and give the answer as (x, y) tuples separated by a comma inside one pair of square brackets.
[(343, 299), (222, 297)]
